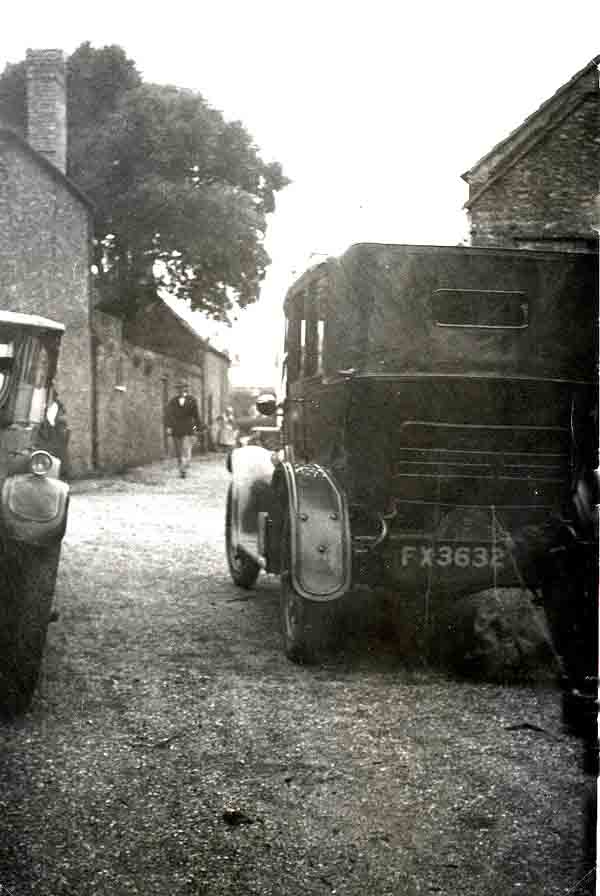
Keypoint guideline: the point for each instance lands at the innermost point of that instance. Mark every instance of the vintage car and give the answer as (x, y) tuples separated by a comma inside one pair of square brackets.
[(261, 428), (431, 397), (34, 499)]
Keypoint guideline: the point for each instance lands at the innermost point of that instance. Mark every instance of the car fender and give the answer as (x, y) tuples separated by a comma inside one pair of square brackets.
[(251, 469), (320, 543), (34, 508)]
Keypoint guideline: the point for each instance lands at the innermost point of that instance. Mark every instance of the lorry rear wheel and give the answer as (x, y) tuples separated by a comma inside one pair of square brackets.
[(29, 578), (243, 569)]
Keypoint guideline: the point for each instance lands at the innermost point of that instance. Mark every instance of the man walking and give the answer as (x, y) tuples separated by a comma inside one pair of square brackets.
[(182, 421)]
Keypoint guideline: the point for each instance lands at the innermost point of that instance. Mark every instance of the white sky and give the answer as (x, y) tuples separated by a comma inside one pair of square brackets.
[(373, 109)]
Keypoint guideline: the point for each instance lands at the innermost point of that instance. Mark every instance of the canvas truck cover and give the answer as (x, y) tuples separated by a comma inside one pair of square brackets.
[(406, 310)]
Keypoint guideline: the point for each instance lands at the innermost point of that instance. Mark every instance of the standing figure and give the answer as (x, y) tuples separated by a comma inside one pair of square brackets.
[(215, 433), (228, 432), (182, 421)]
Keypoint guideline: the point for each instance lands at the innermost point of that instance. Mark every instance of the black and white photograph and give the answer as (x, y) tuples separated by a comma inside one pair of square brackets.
[(299, 319)]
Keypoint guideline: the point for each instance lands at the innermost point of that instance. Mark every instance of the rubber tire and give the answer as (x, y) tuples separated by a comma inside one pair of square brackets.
[(579, 713), (242, 569), (28, 582), (308, 627)]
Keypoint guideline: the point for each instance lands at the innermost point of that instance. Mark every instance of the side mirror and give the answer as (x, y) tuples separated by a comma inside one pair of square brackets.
[(266, 405)]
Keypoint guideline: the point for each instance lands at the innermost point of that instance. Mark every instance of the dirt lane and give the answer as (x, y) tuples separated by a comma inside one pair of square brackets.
[(173, 749)]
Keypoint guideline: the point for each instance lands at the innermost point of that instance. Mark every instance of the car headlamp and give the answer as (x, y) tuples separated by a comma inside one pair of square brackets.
[(40, 463)]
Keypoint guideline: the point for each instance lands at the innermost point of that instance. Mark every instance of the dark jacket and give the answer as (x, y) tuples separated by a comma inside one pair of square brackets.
[(183, 420)]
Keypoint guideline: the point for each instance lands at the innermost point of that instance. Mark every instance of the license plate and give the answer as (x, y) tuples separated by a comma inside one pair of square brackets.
[(451, 555)]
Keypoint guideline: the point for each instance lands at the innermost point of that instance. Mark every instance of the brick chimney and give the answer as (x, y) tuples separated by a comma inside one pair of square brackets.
[(47, 105)]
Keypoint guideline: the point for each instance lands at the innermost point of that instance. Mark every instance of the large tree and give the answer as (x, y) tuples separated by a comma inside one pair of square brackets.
[(181, 194)]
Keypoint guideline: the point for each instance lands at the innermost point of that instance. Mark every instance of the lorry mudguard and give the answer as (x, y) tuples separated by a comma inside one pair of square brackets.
[(251, 469), (34, 508), (319, 533)]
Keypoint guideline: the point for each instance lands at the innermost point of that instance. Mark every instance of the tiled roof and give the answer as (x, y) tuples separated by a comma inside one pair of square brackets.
[(190, 328)]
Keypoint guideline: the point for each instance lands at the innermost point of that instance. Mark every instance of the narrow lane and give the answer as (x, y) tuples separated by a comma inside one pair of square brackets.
[(173, 749)]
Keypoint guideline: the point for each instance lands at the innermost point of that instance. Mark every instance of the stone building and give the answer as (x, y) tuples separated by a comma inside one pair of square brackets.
[(538, 188), (45, 229), (216, 384), (114, 378), (158, 349), (136, 365)]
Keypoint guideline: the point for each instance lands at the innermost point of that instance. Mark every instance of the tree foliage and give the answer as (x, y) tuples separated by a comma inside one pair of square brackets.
[(181, 195)]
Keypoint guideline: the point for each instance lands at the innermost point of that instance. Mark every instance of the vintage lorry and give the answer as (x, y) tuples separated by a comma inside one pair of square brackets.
[(433, 397), (33, 499)]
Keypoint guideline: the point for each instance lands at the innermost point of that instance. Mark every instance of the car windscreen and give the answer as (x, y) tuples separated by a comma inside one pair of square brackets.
[(35, 362), (7, 358)]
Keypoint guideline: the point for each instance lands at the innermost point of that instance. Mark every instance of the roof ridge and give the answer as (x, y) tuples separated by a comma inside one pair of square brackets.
[(593, 63), (190, 327), (12, 134), (519, 152)]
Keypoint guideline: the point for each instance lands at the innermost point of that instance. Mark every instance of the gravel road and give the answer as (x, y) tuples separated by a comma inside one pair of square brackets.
[(172, 749)]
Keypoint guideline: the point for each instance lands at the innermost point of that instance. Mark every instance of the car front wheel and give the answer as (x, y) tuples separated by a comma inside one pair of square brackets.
[(28, 580), (243, 569)]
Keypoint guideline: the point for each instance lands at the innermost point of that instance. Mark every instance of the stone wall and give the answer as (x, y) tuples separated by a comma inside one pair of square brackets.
[(44, 242), (133, 385), (216, 367), (161, 330)]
